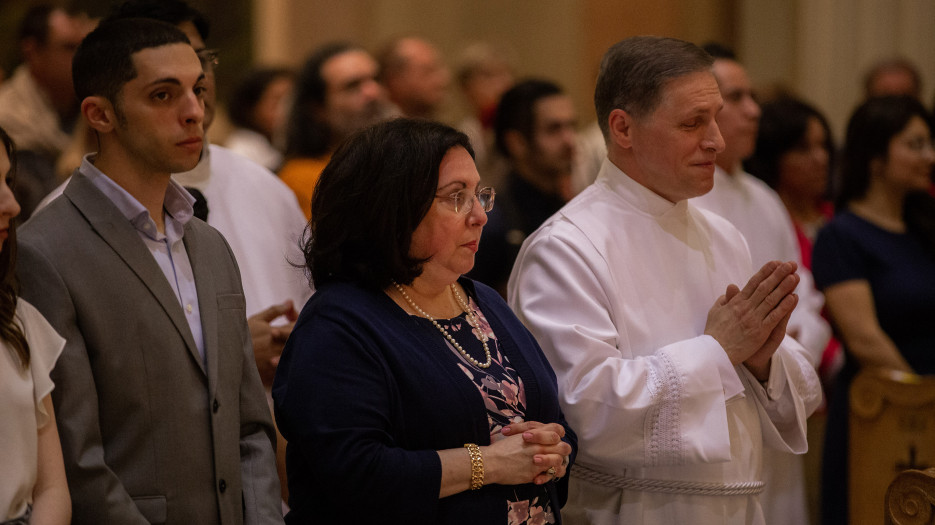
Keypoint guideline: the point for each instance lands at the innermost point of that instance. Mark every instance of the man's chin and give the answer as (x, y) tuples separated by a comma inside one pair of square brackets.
[(705, 188), (182, 167)]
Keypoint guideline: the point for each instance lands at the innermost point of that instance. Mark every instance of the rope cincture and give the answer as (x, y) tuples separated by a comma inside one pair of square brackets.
[(666, 486)]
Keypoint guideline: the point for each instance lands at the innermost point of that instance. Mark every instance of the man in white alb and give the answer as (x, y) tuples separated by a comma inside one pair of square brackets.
[(672, 360)]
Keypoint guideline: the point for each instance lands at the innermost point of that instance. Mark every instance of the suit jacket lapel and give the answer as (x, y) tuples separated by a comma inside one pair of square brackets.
[(123, 238), (207, 302)]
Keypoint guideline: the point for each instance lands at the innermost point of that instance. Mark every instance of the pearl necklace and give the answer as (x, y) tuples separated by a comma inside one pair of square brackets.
[(471, 319)]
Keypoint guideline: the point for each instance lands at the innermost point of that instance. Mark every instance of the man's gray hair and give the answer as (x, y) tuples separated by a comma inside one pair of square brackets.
[(635, 71)]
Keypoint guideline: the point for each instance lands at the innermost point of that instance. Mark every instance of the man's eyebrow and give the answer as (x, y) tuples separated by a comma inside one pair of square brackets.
[(174, 80), (701, 110), (166, 80), (356, 81)]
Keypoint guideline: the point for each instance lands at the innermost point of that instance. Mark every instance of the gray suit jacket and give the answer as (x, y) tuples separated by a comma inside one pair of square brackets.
[(150, 432)]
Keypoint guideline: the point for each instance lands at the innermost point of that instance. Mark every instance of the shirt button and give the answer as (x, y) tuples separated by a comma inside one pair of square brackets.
[(188, 308), (222, 486), (215, 406)]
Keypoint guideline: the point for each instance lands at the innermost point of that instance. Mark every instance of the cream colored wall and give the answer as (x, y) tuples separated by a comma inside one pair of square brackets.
[(818, 48), (558, 39), (822, 48)]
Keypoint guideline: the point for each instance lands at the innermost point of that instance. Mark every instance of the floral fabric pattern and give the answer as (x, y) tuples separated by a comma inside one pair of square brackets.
[(504, 396)]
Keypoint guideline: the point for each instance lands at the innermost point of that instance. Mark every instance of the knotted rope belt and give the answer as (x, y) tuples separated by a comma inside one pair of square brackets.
[(698, 488)]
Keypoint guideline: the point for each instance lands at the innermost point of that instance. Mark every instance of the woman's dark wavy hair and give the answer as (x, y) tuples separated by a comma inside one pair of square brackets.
[(869, 132), (9, 330), (249, 91), (783, 125), (371, 196)]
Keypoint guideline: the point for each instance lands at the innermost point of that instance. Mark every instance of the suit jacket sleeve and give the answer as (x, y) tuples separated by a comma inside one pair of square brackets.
[(261, 492), (96, 492), (260, 482)]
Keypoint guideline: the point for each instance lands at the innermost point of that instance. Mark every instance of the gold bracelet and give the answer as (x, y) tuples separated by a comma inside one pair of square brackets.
[(477, 466)]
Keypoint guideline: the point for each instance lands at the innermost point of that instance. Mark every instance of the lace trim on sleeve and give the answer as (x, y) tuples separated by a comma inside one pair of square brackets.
[(664, 443)]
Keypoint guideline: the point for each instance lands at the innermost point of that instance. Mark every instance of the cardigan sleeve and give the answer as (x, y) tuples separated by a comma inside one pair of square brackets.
[(334, 404)]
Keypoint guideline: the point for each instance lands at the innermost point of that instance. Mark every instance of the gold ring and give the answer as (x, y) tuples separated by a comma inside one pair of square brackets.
[(551, 471)]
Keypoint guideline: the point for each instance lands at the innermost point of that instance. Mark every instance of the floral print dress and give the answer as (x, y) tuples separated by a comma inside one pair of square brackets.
[(505, 399)]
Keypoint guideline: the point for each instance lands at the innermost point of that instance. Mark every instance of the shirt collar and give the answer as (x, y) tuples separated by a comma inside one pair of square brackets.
[(635, 193), (178, 203)]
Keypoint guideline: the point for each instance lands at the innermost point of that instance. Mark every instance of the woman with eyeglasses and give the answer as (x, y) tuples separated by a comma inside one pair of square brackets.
[(408, 393), (875, 263)]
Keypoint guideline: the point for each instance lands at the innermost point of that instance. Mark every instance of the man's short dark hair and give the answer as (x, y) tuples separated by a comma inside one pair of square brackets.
[(103, 62), (306, 134), (35, 24), (173, 12), (719, 51), (516, 110), (634, 72), (377, 188)]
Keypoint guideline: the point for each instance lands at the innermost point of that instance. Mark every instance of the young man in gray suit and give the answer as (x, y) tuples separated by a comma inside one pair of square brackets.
[(161, 412)]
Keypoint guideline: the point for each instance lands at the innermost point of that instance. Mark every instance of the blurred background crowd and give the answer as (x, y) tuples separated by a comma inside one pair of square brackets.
[(294, 78)]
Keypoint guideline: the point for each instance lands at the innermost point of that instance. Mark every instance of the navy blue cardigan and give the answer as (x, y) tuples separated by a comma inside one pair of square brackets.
[(365, 395)]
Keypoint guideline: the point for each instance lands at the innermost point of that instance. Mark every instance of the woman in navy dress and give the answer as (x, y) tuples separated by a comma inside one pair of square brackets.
[(875, 262), (408, 393)]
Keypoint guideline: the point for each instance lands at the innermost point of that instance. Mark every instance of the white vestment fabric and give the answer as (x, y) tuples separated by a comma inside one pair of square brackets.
[(254, 146), (262, 222), (616, 287), (758, 212)]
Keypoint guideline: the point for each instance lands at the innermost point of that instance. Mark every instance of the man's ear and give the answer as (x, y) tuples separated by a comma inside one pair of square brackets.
[(516, 144), (99, 113), (620, 124)]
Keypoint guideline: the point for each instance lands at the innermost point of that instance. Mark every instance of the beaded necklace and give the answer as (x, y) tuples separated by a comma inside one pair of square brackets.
[(471, 319)]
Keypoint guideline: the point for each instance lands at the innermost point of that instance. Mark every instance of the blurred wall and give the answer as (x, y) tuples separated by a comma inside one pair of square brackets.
[(818, 49), (821, 49), (558, 39)]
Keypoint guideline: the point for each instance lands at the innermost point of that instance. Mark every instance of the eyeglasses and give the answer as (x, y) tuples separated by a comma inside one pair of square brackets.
[(209, 58), (463, 201)]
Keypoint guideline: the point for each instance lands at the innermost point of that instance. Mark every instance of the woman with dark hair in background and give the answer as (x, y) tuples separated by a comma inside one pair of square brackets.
[(408, 393), (258, 110), (875, 262), (794, 153), (34, 489), (794, 150)]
